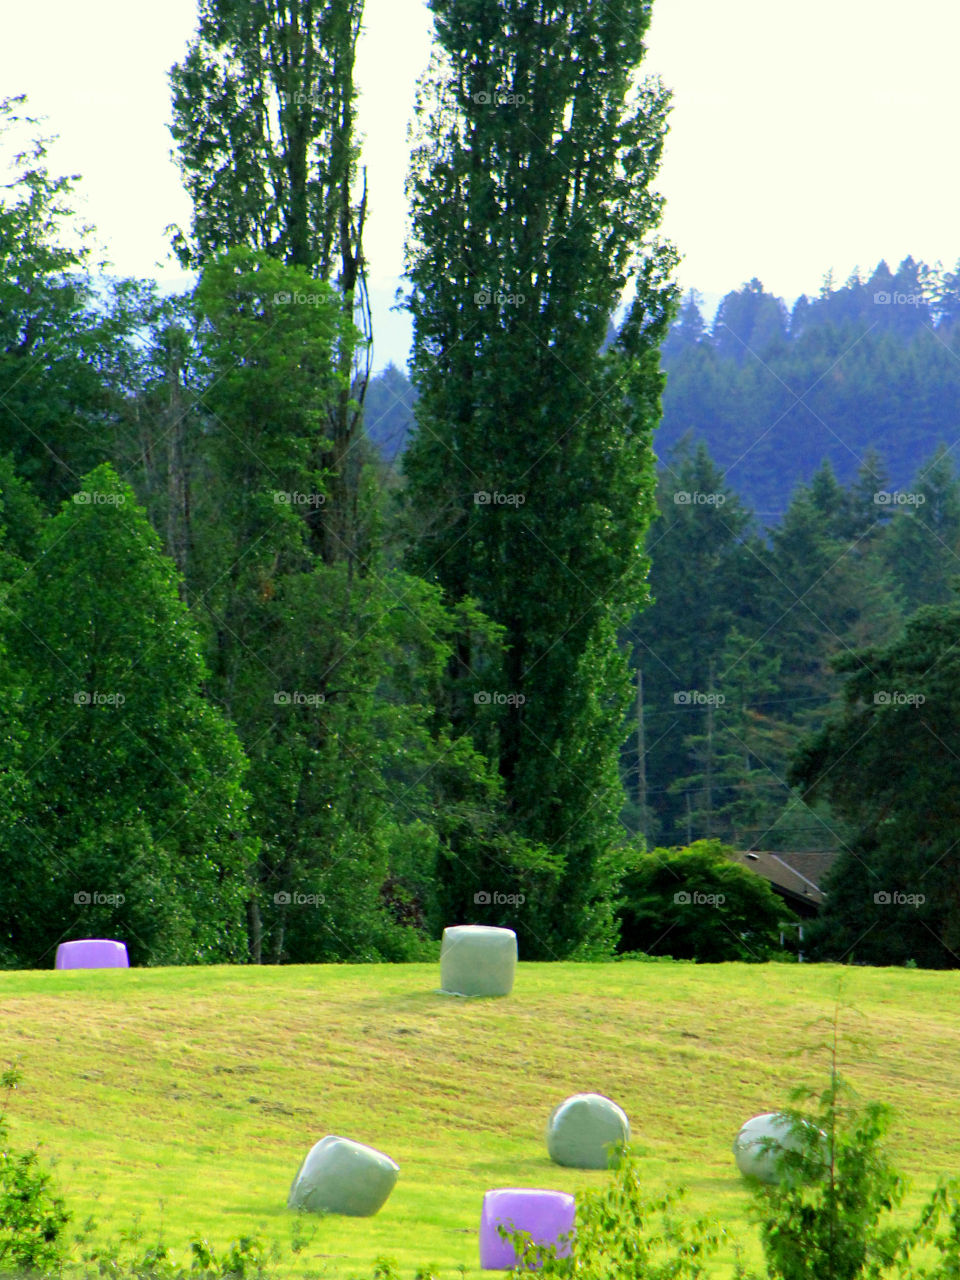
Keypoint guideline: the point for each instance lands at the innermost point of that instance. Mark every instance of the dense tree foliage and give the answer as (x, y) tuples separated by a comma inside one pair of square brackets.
[(872, 364), (264, 106), (125, 780), (886, 760), (697, 904)]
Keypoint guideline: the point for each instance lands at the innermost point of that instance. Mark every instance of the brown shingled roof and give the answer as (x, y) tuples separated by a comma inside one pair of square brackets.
[(796, 876)]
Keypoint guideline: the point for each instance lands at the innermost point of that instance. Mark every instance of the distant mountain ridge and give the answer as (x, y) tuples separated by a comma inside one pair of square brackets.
[(873, 364)]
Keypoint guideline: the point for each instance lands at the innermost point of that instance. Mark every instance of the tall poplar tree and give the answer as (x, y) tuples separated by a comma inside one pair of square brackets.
[(263, 107), (531, 469)]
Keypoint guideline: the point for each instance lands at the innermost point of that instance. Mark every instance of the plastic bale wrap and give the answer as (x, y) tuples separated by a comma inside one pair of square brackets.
[(752, 1149), (478, 960), (92, 953), (341, 1176), (581, 1130), (546, 1215)]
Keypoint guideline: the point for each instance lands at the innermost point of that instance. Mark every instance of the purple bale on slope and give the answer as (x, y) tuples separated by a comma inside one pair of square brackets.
[(92, 953), (546, 1215)]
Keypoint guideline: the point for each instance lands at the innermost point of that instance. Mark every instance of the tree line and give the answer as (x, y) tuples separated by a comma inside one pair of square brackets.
[(773, 391), (266, 699), (260, 701)]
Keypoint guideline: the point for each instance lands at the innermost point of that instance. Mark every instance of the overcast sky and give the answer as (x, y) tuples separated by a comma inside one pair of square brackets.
[(803, 137)]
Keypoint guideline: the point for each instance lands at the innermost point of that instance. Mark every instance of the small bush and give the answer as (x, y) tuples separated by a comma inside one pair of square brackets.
[(697, 904), (32, 1219), (623, 1234)]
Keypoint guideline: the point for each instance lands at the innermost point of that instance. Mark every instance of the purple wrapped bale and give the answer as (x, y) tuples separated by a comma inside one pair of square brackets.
[(546, 1215), (92, 953)]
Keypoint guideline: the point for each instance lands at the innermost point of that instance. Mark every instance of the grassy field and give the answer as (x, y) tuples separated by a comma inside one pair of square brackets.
[(184, 1099)]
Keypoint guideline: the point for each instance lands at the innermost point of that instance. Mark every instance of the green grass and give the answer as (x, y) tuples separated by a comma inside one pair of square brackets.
[(186, 1098)]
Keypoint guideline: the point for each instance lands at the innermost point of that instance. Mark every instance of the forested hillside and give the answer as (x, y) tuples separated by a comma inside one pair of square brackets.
[(772, 391)]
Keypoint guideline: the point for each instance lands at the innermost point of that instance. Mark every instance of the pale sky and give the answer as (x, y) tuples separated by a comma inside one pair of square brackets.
[(803, 137)]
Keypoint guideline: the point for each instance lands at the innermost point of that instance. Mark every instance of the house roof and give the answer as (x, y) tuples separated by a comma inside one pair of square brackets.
[(797, 876)]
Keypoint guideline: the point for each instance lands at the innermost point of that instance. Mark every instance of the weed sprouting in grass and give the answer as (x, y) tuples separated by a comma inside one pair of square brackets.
[(33, 1220), (623, 1233), (828, 1217)]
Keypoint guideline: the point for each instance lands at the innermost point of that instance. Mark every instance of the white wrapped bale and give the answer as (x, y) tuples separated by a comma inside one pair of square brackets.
[(478, 960), (341, 1176), (760, 1146), (583, 1130)]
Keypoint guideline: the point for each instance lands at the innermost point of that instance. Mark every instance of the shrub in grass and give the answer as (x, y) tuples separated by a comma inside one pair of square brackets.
[(838, 1226), (697, 904), (621, 1233), (32, 1219)]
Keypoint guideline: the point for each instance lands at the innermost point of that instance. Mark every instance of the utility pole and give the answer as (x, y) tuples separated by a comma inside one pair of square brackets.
[(641, 759), (708, 769)]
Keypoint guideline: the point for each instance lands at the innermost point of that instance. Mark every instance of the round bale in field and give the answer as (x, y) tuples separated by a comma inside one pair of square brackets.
[(341, 1176), (762, 1143), (477, 960), (583, 1131)]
